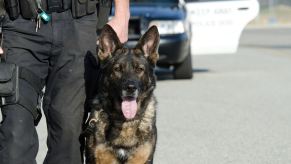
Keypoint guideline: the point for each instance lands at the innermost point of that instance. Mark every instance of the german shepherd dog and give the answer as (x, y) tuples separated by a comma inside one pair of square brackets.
[(124, 111)]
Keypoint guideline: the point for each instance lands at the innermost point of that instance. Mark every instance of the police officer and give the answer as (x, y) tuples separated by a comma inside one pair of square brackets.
[(50, 40)]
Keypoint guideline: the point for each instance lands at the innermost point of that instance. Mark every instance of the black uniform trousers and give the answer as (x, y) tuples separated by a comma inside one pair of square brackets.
[(56, 54)]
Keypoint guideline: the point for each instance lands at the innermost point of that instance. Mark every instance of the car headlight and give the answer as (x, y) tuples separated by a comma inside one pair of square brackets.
[(169, 26)]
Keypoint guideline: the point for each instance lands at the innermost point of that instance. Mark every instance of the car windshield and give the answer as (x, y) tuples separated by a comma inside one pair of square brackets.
[(154, 1)]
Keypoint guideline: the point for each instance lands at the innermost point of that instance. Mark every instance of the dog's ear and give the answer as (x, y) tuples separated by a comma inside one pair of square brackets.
[(149, 44), (108, 42)]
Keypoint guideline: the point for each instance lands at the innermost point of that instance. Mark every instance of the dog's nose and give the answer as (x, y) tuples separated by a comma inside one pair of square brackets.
[(130, 88)]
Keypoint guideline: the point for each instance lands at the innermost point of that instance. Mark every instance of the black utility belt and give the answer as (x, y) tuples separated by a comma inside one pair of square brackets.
[(30, 9)]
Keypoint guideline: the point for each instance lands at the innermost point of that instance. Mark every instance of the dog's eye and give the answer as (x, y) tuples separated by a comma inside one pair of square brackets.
[(117, 68), (139, 69)]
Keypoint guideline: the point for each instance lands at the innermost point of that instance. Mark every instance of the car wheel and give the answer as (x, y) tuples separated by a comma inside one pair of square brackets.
[(184, 70)]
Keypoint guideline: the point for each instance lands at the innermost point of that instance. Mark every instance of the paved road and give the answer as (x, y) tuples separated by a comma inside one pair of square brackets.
[(236, 110)]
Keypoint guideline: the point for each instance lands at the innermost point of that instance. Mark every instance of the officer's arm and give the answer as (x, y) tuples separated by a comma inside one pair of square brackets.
[(120, 20), (2, 13)]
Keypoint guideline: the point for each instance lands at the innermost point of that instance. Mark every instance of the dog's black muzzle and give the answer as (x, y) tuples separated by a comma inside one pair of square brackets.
[(130, 89)]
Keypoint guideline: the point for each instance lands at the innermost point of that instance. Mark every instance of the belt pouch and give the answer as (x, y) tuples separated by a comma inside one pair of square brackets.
[(91, 6), (55, 5), (28, 8), (67, 4), (9, 79), (79, 8), (12, 7)]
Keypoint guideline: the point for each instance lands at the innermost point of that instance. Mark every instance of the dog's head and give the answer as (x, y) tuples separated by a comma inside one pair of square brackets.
[(129, 73)]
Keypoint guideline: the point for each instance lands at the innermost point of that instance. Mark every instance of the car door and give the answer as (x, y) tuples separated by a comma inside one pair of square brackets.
[(217, 24)]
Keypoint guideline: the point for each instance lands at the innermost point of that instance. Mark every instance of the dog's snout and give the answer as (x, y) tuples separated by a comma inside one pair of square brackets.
[(131, 88)]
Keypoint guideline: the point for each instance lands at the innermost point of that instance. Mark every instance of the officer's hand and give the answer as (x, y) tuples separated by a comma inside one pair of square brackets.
[(120, 20), (120, 26), (1, 51)]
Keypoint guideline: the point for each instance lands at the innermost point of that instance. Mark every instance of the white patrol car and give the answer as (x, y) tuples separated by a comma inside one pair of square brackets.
[(217, 25)]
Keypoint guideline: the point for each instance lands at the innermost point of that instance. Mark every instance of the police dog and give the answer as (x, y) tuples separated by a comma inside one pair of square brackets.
[(124, 111)]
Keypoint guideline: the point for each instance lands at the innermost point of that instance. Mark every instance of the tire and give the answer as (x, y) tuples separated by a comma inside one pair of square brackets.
[(184, 69)]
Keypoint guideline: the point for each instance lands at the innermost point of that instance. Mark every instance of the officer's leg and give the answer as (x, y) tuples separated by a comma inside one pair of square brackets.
[(18, 137), (65, 92)]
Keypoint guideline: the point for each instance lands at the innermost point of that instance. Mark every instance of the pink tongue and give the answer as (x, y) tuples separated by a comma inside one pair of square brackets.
[(129, 108)]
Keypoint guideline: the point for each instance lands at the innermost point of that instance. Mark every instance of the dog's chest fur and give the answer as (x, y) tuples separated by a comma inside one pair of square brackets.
[(124, 134)]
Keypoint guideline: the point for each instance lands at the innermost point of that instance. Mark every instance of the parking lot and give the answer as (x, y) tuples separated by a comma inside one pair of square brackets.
[(237, 109)]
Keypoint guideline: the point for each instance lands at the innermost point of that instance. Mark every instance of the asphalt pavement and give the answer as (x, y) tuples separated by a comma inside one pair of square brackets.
[(236, 110)]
